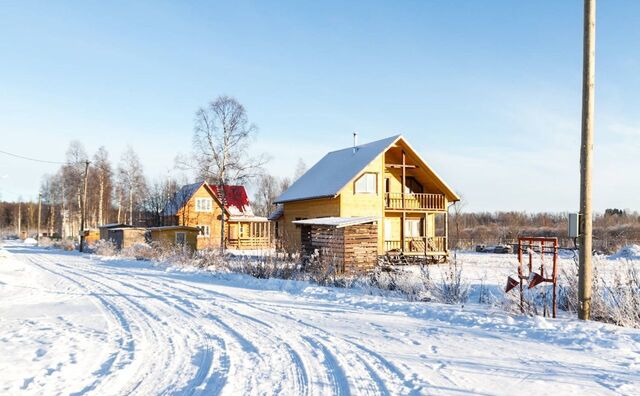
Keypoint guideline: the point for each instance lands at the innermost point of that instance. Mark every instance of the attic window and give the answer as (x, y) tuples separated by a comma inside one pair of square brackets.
[(367, 184), (203, 204)]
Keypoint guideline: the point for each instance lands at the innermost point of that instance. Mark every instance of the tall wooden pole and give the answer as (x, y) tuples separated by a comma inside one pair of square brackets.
[(586, 148), (83, 214), (39, 213), (19, 219)]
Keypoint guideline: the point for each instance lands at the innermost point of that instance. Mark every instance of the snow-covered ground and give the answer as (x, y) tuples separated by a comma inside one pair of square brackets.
[(80, 324)]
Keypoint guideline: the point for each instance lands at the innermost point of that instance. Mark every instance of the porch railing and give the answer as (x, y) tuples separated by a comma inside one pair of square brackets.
[(414, 201), (248, 243), (417, 245)]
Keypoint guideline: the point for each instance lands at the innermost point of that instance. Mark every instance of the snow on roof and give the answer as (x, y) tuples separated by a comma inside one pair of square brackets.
[(180, 198), (327, 177), (337, 222), (237, 200), (113, 225), (256, 219), (277, 213), (161, 228)]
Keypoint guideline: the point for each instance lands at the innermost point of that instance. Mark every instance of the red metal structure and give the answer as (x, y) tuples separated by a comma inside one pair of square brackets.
[(540, 247)]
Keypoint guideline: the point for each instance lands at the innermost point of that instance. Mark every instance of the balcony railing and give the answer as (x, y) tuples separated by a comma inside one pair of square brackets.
[(414, 201), (416, 245)]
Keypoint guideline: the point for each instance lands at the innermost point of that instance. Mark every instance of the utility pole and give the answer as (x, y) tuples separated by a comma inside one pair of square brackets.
[(83, 214), (39, 213), (19, 219), (586, 149)]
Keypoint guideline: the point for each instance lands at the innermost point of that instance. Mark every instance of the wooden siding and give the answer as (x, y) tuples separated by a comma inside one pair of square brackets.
[(352, 250), (168, 237), (308, 209)]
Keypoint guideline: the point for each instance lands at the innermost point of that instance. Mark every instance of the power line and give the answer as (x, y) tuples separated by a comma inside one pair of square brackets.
[(32, 159)]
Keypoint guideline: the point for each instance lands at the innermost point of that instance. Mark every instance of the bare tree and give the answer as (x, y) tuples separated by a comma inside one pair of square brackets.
[(103, 174), (301, 169), (268, 189), (222, 136), (131, 180)]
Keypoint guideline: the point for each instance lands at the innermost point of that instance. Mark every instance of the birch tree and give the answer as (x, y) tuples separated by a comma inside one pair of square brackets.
[(131, 181), (103, 174), (221, 141)]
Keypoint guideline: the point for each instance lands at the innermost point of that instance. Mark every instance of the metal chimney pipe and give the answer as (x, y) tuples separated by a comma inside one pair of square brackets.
[(355, 142)]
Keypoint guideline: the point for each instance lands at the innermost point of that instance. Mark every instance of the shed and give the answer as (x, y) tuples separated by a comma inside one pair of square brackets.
[(104, 229), (176, 235), (125, 237), (350, 242), (91, 235)]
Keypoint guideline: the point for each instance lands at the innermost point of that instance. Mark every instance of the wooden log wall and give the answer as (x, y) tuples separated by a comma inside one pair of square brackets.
[(353, 249)]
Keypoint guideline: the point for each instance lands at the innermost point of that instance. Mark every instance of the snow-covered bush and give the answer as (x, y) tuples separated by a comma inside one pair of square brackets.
[(614, 299), (452, 288), (104, 248), (140, 251), (46, 242), (64, 244)]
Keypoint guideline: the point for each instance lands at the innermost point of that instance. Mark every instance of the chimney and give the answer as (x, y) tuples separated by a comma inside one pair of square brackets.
[(355, 142)]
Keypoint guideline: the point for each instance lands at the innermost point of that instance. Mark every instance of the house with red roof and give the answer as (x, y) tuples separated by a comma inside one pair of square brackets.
[(203, 205)]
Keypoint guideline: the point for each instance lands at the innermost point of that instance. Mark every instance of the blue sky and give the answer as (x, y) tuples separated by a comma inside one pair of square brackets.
[(488, 91)]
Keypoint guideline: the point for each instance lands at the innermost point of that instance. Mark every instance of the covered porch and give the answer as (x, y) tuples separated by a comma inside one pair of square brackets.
[(416, 215), (248, 233)]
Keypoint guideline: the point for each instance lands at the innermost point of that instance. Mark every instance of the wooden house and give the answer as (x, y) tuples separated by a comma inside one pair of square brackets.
[(175, 235), (200, 205), (387, 180)]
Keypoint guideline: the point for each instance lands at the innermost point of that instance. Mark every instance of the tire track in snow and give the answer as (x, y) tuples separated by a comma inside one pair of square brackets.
[(168, 359), (379, 370), (123, 342), (375, 384)]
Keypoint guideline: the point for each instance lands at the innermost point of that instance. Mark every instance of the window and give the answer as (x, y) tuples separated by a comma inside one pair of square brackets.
[(203, 204), (205, 230), (412, 228), (181, 238), (367, 184), (276, 229)]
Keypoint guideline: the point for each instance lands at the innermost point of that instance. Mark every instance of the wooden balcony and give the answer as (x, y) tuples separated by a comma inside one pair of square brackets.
[(418, 246), (414, 202)]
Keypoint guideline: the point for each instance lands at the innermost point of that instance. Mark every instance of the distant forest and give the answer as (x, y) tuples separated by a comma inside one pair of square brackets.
[(611, 230)]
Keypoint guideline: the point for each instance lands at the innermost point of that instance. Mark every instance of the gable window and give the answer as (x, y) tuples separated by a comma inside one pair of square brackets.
[(205, 230), (367, 184), (203, 204)]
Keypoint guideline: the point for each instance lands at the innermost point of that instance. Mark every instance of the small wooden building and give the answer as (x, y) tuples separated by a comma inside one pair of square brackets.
[(126, 237), (104, 229), (91, 236), (349, 243), (176, 235)]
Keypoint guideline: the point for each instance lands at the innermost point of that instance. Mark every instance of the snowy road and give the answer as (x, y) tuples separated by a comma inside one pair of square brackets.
[(73, 324)]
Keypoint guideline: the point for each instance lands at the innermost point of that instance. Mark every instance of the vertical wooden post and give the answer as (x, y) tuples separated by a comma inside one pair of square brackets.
[(446, 229), (404, 214), (83, 213), (19, 219), (39, 213), (586, 148)]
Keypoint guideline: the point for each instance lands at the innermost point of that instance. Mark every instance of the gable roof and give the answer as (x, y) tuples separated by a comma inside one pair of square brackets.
[(237, 201), (336, 169), (329, 175), (184, 194)]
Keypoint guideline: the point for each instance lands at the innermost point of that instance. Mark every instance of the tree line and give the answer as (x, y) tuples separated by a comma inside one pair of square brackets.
[(612, 228), (122, 193)]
